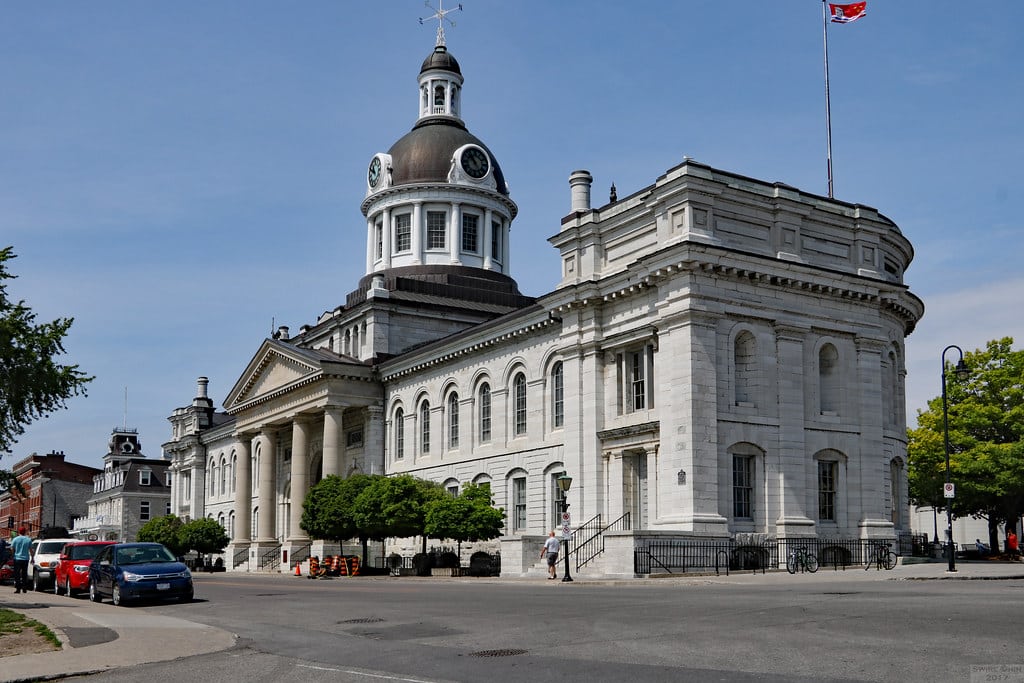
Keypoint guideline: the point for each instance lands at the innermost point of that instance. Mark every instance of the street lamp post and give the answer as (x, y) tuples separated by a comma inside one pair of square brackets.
[(564, 482), (962, 372)]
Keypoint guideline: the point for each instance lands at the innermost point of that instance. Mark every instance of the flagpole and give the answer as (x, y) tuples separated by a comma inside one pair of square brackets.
[(828, 104)]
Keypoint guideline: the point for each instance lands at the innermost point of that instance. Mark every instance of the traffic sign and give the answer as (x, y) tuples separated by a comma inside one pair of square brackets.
[(949, 490)]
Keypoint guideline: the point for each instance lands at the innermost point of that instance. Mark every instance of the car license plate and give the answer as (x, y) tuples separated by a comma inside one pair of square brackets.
[(163, 586)]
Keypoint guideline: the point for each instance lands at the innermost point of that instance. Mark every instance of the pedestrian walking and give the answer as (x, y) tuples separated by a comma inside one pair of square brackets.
[(550, 549), (20, 546), (1011, 545)]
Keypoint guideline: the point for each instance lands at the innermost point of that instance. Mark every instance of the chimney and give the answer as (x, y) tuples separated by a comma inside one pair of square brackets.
[(201, 385), (579, 182), (282, 332)]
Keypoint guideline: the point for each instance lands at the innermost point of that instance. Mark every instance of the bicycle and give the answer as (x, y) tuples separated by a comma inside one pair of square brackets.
[(881, 556), (800, 559)]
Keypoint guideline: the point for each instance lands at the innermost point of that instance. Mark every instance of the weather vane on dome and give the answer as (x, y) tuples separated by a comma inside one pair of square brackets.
[(441, 14)]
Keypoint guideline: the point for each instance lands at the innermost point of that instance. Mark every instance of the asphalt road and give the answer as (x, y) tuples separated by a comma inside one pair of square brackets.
[(827, 627)]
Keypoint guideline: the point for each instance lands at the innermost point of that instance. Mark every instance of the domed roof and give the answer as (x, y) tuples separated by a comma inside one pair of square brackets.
[(440, 58), (424, 154)]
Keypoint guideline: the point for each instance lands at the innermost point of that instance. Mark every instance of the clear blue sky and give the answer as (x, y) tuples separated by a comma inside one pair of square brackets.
[(177, 175)]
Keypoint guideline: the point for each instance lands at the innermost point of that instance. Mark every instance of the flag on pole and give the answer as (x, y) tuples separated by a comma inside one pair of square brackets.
[(844, 14)]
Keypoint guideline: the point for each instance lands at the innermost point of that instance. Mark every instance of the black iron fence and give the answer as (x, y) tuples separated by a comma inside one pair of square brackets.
[(718, 556)]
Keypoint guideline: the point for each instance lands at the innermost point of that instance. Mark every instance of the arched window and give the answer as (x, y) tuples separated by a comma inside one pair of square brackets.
[(399, 434), (485, 412), (425, 427), (223, 476), (557, 396), (439, 99), (745, 369), (213, 477), (234, 469), (519, 406), (828, 379), (453, 420)]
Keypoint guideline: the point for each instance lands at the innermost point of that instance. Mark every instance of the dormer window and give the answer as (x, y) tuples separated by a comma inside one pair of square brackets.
[(145, 477)]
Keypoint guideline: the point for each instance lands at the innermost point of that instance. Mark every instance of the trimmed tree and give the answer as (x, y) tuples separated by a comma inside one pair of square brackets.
[(166, 530), (204, 536), (329, 509), (395, 506), (470, 516)]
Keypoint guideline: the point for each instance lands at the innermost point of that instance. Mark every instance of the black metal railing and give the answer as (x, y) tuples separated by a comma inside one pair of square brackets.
[(271, 560), (835, 553), (587, 541), (300, 554), (239, 557), (594, 546)]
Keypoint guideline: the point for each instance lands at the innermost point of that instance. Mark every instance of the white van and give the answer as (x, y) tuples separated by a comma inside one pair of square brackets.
[(45, 558)]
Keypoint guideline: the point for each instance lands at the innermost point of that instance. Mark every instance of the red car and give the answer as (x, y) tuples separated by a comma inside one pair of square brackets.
[(72, 573)]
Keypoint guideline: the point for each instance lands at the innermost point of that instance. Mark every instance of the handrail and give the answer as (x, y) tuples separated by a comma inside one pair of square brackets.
[(239, 557), (271, 559), (300, 554), (597, 540)]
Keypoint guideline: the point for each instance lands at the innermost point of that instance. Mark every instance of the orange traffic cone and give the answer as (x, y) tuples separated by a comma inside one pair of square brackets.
[(298, 570)]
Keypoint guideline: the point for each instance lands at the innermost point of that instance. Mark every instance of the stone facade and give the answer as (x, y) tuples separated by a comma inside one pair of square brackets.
[(722, 356)]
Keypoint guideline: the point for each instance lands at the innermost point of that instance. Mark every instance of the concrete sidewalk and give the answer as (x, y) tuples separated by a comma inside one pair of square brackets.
[(99, 637)]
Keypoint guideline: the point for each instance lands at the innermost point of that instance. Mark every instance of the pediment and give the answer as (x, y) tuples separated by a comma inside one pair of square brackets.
[(271, 371)]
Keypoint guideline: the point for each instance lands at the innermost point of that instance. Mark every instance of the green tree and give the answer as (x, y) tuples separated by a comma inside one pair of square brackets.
[(986, 440), (470, 516), (328, 512), (32, 383), (395, 506), (203, 535), (166, 530)]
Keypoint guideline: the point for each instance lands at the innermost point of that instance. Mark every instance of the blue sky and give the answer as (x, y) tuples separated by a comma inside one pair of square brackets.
[(177, 176)]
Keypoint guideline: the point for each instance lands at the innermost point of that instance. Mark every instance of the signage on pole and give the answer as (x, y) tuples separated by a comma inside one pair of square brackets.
[(566, 525), (949, 490)]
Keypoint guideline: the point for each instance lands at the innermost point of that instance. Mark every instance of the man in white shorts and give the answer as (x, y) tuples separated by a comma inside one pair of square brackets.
[(550, 549)]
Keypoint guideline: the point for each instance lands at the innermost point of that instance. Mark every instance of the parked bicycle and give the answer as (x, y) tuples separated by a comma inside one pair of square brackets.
[(881, 557), (800, 559)]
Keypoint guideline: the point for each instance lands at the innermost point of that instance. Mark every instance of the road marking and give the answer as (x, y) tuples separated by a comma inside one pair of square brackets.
[(363, 673)]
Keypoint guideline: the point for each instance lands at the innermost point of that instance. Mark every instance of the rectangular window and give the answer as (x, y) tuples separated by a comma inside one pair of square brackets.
[(633, 371), (144, 510), (437, 227), (399, 435), (485, 414), (453, 491), (637, 380), (519, 387), (469, 233), (167, 511), (557, 497), (827, 490), (403, 232), (378, 235), (519, 503), (354, 438), (496, 240), (558, 396), (742, 486), (144, 477)]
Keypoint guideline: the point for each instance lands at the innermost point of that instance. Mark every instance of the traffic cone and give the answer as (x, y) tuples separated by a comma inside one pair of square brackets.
[(298, 570)]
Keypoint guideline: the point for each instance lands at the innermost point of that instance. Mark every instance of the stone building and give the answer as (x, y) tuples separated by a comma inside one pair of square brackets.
[(130, 490), (721, 356)]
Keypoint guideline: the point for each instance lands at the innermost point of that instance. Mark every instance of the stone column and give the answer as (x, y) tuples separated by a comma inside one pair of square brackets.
[(300, 476), (332, 440), (386, 238), (485, 236), (454, 244), (869, 469), (243, 492), (371, 244), (266, 533), (789, 470), (417, 231), (373, 440)]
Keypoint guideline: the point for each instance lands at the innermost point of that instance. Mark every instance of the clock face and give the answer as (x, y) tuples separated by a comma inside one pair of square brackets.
[(373, 175), (475, 162)]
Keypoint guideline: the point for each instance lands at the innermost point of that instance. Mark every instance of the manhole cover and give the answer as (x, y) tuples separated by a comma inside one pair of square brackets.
[(269, 595), (510, 652), (362, 620), (841, 593)]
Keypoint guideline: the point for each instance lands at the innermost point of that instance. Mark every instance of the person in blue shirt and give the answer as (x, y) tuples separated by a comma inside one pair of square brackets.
[(20, 546)]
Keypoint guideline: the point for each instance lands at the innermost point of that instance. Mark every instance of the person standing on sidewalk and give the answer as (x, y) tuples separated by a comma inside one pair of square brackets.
[(20, 545), (550, 549)]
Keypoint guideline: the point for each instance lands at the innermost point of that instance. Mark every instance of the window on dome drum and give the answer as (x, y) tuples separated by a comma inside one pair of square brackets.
[(519, 503), (378, 237), (519, 407), (469, 233), (403, 232), (496, 240), (634, 368), (453, 421), (144, 510), (437, 227), (425, 427), (827, 471), (557, 396), (399, 434), (742, 486), (485, 413)]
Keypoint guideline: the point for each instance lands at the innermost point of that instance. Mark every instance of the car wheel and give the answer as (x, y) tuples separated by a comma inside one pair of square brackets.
[(186, 598), (94, 594), (115, 596), (68, 590), (56, 585), (37, 584)]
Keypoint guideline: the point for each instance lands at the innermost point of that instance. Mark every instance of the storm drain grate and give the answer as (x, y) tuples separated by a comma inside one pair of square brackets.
[(362, 620), (510, 652)]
